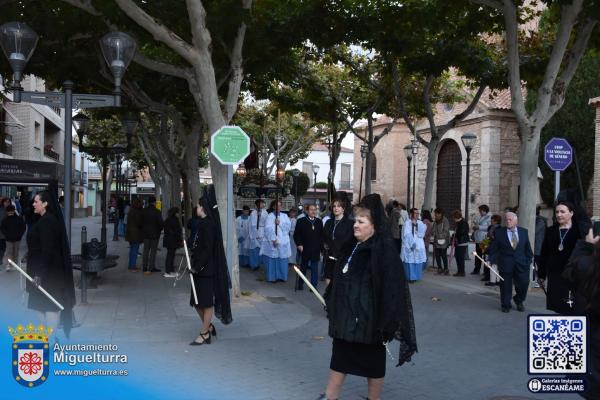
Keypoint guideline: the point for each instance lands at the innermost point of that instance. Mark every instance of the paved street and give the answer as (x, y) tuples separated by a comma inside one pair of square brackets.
[(278, 348)]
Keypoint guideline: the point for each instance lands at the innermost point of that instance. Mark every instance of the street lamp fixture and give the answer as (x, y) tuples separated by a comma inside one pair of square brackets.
[(408, 149), (468, 140), (18, 41), (241, 171), (295, 174), (280, 174), (364, 151)]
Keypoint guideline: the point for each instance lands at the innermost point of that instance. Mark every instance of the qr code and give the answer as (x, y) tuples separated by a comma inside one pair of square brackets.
[(557, 344)]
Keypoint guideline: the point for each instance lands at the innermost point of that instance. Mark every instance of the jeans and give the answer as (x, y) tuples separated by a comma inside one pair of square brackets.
[(170, 260), (441, 255), (149, 254), (459, 254), (134, 248), (314, 273)]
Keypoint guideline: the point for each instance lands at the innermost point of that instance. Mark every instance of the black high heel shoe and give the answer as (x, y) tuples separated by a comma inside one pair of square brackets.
[(213, 330), (205, 340)]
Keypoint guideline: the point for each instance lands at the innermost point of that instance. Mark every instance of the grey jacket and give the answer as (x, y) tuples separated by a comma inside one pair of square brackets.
[(441, 232)]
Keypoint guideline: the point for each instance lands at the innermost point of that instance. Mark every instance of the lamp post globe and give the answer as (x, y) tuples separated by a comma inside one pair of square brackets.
[(118, 49), (18, 42)]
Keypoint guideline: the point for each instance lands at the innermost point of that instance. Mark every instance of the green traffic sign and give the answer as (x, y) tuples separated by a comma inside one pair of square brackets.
[(230, 145)]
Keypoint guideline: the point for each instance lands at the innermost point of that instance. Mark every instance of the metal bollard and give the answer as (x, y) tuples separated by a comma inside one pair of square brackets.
[(83, 267)]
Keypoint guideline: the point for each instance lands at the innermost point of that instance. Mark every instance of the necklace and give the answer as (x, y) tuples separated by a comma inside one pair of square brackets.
[(345, 269), (312, 222), (335, 224), (562, 238)]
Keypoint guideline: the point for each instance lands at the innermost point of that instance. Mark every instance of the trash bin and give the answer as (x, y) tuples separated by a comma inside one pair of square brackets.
[(93, 257)]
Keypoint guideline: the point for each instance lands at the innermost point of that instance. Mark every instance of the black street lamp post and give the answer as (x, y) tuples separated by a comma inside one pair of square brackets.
[(18, 42), (415, 150), (118, 161), (409, 156), (468, 140), (315, 169), (364, 150)]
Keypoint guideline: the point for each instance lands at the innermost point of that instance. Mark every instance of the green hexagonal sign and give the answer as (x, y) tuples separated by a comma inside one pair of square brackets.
[(230, 145)]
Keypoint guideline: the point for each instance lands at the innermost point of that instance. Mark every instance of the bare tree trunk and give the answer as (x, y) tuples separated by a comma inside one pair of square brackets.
[(430, 174), (530, 147), (367, 175)]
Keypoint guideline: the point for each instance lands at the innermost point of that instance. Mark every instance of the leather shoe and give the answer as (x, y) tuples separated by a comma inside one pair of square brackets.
[(459, 274), (505, 309), (485, 279), (520, 307)]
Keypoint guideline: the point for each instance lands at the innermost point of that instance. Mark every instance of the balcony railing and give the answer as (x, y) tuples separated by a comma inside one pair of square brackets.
[(76, 177), (48, 152)]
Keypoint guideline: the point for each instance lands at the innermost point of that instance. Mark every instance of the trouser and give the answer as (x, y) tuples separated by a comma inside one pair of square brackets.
[(12, 252), (459, 254), (149, 254), (314, 273), (477, 260), (441, 255), (134, 248), (170, 260), (520, 277), (486, 271), (2, 248), (537, 260), (398, 244)]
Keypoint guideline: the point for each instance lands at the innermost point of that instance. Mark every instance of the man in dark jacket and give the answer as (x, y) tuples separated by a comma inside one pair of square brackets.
[(152, 225), (134, 233), (511, 252), (13, 228), (307, 237)]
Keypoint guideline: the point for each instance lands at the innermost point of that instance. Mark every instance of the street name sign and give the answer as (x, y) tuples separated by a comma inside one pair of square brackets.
[(230, 145)]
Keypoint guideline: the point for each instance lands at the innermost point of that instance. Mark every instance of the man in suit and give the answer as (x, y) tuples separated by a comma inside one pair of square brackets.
[(511, 252), (307, 237)]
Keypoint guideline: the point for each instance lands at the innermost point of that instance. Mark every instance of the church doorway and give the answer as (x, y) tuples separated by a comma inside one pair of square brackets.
[(449, 179)]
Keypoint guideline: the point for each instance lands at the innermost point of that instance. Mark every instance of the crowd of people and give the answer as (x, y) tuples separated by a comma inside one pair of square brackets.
[(366, 254)]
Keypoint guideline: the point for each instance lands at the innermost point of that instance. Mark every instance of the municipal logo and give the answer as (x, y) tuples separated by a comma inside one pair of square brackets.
[(30, 354)]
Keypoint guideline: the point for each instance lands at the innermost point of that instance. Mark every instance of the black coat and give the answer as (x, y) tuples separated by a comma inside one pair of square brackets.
[(309, 238), (134, 231), (552, 265), (173, 235), (461, 235), (334, 240), (203, 248), (577, 274), (45, 260), (13, 228), (365, 304), (152, 223)]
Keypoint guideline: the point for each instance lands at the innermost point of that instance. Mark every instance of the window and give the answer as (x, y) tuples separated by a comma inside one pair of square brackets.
[(345, 176), (307, 169), (37, 134), (373, 167)]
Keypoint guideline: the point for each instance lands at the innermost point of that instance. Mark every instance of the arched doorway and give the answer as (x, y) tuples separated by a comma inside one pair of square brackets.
[(449, 178)]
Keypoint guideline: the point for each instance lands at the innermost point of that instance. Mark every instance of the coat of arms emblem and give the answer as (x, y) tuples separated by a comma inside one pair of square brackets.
[(30, 354)]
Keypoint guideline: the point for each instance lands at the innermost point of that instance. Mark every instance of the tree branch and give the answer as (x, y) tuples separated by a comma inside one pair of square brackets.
[(400, 102), (574, 57), (385, 131), (237, 70), (459, 117), (159, 31), (162, 67), (428, 108), (568, 18)]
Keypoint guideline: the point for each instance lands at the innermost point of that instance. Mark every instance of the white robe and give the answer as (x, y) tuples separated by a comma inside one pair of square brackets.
[(418, 255), (242, 230), (283, 249), (257, 235)]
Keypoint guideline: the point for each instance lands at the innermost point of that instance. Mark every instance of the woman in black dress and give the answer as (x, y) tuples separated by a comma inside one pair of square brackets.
[(336, 233), (209, 267), (368, 303), (559, 242), (49, 262)]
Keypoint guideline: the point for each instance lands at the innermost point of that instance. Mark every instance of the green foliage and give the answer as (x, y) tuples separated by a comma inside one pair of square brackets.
[(106, 133), (321, 185), (302, 181), (574, 122)]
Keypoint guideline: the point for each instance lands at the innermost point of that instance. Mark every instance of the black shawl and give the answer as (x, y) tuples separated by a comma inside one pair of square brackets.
[(395, 319), (222, 281)]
